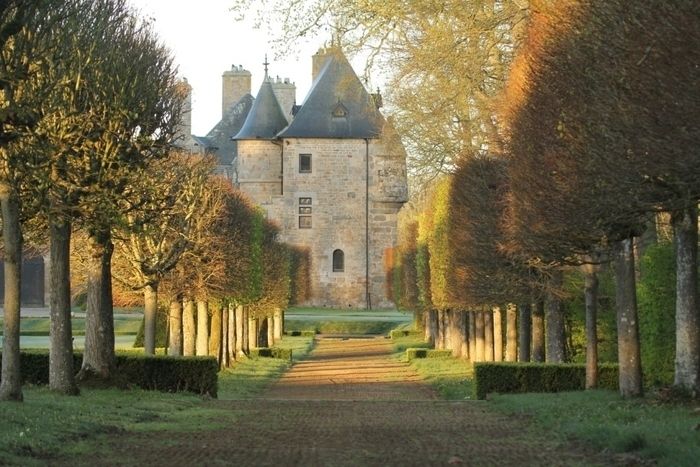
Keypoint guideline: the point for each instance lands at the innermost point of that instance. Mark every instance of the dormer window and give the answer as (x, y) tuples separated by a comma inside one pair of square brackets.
[(340, 111)]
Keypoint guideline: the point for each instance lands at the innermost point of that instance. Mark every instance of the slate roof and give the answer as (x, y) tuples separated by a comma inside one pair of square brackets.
[(266, 118), (218, 141), (337, 106)]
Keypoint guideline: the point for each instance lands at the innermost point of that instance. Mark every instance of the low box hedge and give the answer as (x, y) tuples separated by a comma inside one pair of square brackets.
[(396, 333), (300, 333), (504, 378), (414, 353), (271, 352), (161, 373)]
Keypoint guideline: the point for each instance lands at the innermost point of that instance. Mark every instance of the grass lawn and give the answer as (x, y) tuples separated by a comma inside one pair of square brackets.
[(40, 326), (344, 321), (47, 425), (632, 429)]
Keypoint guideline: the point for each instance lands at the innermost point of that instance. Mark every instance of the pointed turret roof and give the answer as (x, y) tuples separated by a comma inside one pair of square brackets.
[(265, 118), (337, 106)]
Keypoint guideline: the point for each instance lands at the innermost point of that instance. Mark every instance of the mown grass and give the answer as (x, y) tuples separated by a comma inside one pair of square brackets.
[(343, 321), (665, 433), (40, 326), (452, 378), (250, 377), (48, 426)]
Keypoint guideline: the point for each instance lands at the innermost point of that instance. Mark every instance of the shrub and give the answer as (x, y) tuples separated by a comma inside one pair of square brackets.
[(161, 373), (161, 330), (271, 352), (537, 377), (396, 333), (414, 353)]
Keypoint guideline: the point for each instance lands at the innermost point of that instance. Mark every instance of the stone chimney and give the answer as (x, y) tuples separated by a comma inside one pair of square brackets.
[(184, 129), (286, 93), (318, 60), (235, 83)]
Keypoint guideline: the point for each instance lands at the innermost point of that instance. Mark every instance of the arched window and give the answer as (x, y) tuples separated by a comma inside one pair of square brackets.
[(338, 261)]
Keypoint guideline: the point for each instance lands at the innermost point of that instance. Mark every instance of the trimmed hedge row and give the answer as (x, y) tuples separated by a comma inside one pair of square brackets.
[(413, 353), (160, 373), (537, 377), (396, 333), (300, 333), (271, 352)]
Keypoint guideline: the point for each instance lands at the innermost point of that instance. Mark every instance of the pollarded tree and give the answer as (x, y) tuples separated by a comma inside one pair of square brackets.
[(592, 155), (172, 193), (30, 32)]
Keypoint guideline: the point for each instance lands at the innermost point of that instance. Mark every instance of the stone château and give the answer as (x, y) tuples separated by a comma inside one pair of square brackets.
[(331, 172)]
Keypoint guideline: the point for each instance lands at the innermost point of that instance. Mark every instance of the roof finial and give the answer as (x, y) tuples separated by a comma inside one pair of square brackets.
[(265, 64)]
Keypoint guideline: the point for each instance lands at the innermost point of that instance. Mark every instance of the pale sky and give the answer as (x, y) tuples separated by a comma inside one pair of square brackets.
[(206, 40)]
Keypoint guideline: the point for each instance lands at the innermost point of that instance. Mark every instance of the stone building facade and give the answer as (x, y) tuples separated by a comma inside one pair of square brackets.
[(331, 172)]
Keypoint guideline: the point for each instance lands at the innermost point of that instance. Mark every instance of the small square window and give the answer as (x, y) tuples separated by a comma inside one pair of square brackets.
[(304, 163), (304, 209), (305, 201), (304, 222)]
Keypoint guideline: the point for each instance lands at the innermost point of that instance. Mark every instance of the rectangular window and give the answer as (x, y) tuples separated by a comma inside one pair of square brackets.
[(305, 163), (304, 209), (304, 222), (304, 201)]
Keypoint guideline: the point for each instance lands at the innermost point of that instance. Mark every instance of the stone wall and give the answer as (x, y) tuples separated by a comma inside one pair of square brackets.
[(341, 215), (258, 166)]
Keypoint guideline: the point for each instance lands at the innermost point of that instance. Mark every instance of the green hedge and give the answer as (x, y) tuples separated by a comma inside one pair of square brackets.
[(414, 353), (271, 352), (537, 377), (396, 333), (300, 333), (161, 373)]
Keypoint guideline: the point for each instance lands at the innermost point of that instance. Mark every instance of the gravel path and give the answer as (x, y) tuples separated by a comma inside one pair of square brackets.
[(351, 404)]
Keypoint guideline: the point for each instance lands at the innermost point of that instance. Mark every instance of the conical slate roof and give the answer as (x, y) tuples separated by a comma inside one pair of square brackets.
[(337, 106), (265, 118), (218, 140)]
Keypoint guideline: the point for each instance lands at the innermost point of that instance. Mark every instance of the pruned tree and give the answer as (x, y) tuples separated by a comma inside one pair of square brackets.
[(172, 193)]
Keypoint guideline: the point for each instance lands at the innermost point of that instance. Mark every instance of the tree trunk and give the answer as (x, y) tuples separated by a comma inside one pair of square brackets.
[(466, 341), (252, 333), (189, 333), (175, 327), (98, 356), (555, 333), (524, 332), (270, 332), (224, 337), (627, 322), (687, 365), (418, 323), (433, 327), (511, 332), (462, 341), (471, 318), (231, 333), (150, 310), (278, 325), (538, 332), (61, 372), (488, 336), (240, 332), (440, 334), (11, 384), (497, 335), (480, 344), (591, 298), (456, 333), (215, 333), (202, 345)]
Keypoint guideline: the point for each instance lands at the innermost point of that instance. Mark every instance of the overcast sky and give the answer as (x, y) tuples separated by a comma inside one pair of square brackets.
[(206, 40)]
